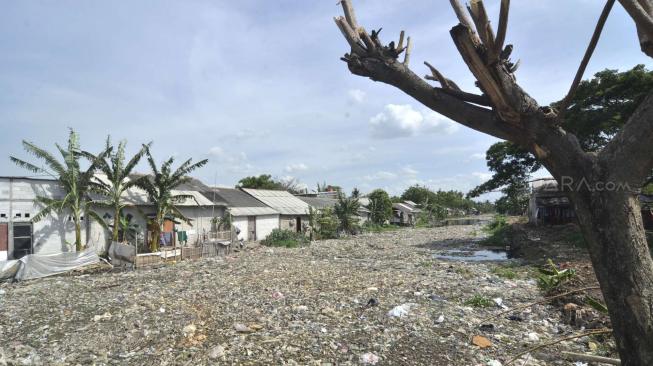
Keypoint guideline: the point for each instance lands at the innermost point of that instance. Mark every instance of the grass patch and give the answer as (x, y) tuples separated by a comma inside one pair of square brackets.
[(376, 228), (504, 272), (479, 301), (285, 238), (497, 231)]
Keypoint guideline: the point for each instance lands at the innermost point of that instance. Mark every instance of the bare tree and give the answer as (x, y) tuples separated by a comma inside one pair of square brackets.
[(602, 186)]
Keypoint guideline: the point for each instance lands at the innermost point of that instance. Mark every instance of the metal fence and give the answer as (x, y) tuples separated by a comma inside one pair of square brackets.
[(211, 244)]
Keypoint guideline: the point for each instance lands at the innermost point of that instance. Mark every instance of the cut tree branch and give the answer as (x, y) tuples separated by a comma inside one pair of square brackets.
[(641, 12), (503, 26), (479, 15), (437, 76), (586, 58), (349, 13), (409, 48)]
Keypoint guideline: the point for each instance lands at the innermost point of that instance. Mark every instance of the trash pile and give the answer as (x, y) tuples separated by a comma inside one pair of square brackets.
[(371, 299)]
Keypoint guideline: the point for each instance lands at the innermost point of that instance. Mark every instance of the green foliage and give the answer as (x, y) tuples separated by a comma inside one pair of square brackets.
[(434, 204), (355, 193), (222, 223), (76, 182), (498, 231), (263, 181), (159, 187), (551, 277), (479, 301), (596, 304), (504, 272), (380, 206), (117, 173), (326, 224), (285, 238), (599, 108), (346, 210)]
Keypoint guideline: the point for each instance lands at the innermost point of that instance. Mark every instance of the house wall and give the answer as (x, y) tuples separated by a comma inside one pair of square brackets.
[(53, 234), (265, 224), (201, 225), (288, 222)]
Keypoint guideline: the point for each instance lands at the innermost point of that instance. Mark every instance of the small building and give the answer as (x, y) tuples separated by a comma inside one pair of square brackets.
[(548, 205), (20, 236), (253, 218), (405, 213), (293, 212)]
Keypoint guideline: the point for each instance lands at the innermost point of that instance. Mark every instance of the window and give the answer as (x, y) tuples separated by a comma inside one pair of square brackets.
[(22, 240), (3, 216), (18, 215), (26, 215)]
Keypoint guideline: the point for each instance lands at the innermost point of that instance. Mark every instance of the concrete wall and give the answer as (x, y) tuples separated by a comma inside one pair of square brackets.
[(264, 225), (201, 222), (288, 222), (53, 234)]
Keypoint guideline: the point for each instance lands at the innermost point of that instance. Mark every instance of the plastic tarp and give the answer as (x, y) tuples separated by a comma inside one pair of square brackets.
[(34, 266), (8, 269)]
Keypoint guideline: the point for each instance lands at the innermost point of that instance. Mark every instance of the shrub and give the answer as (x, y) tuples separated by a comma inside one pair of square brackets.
[(497, 231), (479, 301), (551, 277), (285, 238)]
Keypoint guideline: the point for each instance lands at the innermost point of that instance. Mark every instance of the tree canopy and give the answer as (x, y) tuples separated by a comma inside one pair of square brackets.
[(598, 110)]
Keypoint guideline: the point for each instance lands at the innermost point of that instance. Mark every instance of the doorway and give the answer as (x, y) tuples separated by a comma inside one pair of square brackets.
[(298, 224), (22, 240)]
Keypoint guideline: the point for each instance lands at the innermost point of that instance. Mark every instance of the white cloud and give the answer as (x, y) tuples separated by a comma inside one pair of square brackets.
[(408, 170), (482, 176), (356, 95), (382, 175), (477, 156), (291, 168), (401, 120)]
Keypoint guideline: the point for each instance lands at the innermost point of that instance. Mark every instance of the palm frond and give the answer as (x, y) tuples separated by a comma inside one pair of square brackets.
[(95, 217), (29, 166), (135, 159), (44, 155)]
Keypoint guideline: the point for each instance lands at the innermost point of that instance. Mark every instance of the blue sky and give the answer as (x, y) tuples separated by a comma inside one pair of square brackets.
[(258, 87)]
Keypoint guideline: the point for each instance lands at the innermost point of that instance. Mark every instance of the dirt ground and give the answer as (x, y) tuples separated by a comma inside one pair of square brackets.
[(371, 299)]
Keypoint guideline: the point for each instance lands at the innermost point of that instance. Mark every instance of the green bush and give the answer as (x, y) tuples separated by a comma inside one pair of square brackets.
[(285, 238), (497, 231), (479, 301), (550, 277)]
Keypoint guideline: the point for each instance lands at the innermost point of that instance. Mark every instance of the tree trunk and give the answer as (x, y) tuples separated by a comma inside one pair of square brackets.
[(78, 233), (116, 224), (612, 225)]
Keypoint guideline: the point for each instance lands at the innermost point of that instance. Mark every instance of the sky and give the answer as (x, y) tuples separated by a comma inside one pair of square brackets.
[(258, 87)]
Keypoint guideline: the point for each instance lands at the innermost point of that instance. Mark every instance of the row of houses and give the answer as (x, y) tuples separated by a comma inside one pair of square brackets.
[(255, 213)]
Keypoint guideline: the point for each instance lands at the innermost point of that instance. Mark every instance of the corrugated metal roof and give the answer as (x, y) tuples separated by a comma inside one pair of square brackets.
[(282, 201), (319, 202), (405, 207), (252, 211), (236, 198)]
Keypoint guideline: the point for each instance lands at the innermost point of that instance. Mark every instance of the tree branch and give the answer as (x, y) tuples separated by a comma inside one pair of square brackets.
[(479, 15), (349, 13), (586, 58), (503, 26), (641, 12), (397, 74)]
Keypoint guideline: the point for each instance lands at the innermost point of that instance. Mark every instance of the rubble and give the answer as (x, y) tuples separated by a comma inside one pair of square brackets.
[(327, 303)]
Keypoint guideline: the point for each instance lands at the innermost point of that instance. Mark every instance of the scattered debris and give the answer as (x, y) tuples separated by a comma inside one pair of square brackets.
[(225, 311), (481, 341)]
